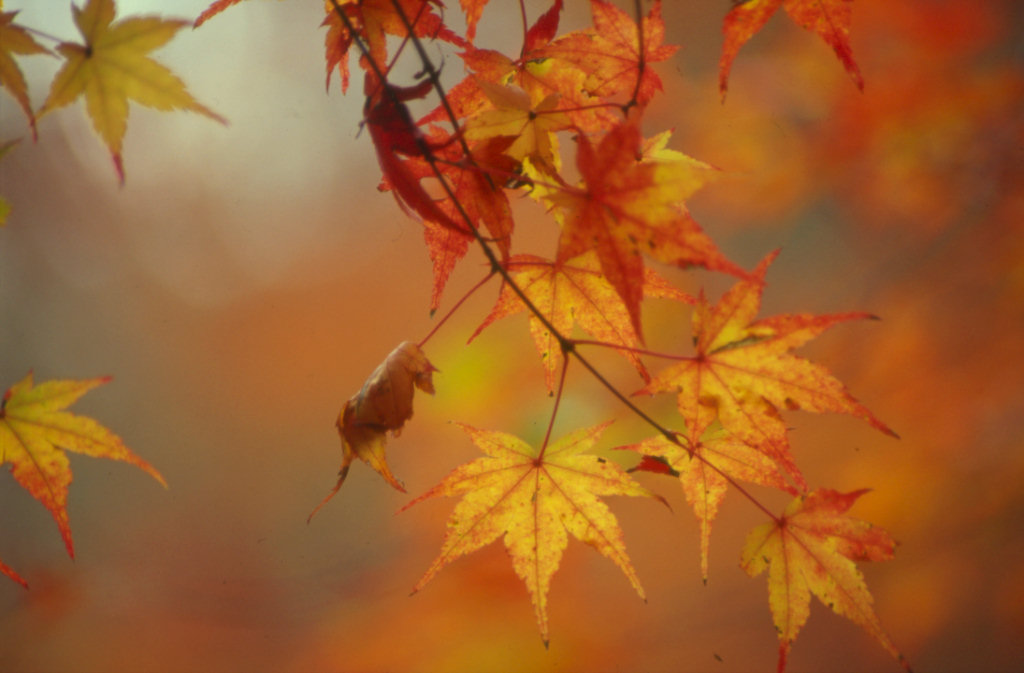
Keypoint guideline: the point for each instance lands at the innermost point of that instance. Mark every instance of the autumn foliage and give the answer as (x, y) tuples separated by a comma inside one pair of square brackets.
[(560, 122)]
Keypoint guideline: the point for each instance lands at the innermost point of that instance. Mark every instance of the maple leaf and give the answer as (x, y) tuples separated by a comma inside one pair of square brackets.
[(629, 205), (382, 405), (446, 247), (705, 459), (473, 9), (15, 40), (585, 71), (476, 197), (471, 95), (534, 500), (213, 10), (35, 431), (572, 292), (373, 21), (828, 18), (811, 549), (112, 67), (530, 127), (611, 55), (743, 369), (393, 132)]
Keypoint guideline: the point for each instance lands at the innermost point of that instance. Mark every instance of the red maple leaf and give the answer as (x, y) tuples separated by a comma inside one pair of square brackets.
[(828, 18), (629, 205), (611, 54), (476, 196)]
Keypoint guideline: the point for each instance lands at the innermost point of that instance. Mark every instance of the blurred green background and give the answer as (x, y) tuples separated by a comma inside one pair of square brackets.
[(246, 280)]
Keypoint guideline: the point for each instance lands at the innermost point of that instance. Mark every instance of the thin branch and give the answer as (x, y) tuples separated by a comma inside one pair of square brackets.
[(641, 64), (526, 26), (435, 79), (451, 311), (405, 41)]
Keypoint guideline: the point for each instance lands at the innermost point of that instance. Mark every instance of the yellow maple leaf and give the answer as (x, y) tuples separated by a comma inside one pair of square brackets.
[(514, 115), (811, 549), (706, 458), (112, 67), (15, 40), (744, 369), (574, 292), (534, 500), (34, 428)]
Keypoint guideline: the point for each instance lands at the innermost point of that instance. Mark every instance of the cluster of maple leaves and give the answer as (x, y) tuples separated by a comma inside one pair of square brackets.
[(507, 129)]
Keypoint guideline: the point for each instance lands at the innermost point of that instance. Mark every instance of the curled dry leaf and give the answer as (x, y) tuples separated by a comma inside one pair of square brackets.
[(382, 405)]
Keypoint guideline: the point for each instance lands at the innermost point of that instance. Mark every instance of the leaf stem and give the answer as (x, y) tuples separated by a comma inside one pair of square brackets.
[(42, 34), (554, 410), (454, 308)]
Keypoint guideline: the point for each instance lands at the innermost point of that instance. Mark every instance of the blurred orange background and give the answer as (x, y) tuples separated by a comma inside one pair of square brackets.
[(246, 280)]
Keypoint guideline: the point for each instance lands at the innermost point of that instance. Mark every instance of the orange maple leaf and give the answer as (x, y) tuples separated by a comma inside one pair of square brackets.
[(743, 369), (7, 570), (446, 247), (381, 406), (213, 10), (630, 205), (811, 549), (611, 55), (539, 76), (374, 20), (478, 199), (828, 18), (112, 67), (571, 292), (705, 458), (534, 500), (35, 431), (15, 40), (473, 9), (589, 73)]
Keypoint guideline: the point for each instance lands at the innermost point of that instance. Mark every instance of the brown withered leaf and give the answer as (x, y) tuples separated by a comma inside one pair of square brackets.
[(382, 405)]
